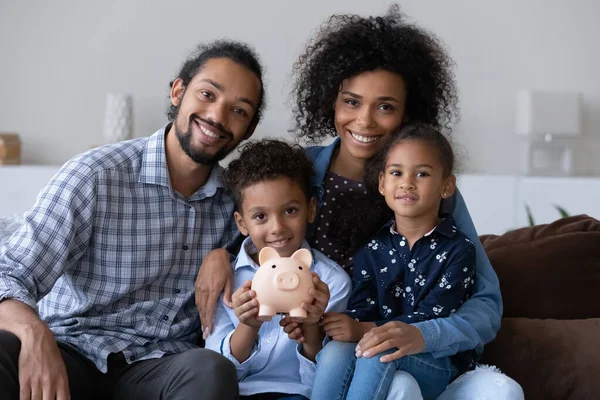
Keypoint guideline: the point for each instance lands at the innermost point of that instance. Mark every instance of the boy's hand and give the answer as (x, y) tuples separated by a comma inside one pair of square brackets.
[(245, 305), (317, 307), (292, 328), (343, 328)]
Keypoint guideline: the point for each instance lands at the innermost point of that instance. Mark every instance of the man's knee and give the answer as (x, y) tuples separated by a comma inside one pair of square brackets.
[(10, 347), (485, 383), (207, 372)]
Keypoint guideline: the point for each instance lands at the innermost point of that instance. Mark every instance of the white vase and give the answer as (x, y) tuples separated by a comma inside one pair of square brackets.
[(117, 118)]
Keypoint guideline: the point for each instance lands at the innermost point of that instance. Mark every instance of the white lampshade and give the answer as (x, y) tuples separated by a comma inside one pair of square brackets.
[(545, 112)]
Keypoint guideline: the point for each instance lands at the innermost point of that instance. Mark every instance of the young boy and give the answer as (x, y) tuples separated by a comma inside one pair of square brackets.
[(271, 183)]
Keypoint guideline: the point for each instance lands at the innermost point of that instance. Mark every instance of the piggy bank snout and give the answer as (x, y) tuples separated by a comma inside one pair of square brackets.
[(287, 280)]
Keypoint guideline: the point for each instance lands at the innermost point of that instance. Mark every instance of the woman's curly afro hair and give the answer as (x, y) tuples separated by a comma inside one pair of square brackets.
[(347, 45)]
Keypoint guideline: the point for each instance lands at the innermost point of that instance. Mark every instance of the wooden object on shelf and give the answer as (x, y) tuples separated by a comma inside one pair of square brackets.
[(10, 149)]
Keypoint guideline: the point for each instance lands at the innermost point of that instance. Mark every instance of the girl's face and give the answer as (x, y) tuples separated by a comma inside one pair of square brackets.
[(369, 107), (413, 181)]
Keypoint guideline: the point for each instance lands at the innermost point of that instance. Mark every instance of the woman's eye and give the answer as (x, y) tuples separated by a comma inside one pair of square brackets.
[(351, 102), (386, 107)]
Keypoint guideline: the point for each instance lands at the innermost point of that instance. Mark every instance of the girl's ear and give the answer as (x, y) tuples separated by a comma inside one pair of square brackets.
[(177, 90), (381, 192), (448, 186), (267, 253), (312, 210), (239, 221)]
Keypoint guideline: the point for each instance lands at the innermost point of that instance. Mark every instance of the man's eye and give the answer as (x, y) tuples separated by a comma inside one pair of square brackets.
[(240, 111)]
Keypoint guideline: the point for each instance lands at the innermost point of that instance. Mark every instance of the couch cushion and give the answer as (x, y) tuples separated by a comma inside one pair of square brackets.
[(551, 359), (549, 271)]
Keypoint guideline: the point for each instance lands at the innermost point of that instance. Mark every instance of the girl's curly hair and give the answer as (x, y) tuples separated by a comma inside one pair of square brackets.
[(264, 160), (347, 45)]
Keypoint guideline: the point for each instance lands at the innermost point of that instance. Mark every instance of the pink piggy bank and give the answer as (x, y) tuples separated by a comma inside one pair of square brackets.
[(282, 283)]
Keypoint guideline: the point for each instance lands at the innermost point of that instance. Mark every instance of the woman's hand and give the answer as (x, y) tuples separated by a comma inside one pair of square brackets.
[(215, 276), (394, 334), (245, 305), (343, 328)]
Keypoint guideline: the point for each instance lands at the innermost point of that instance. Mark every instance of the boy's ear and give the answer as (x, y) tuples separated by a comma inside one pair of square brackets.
[(304, 256), (312, 210), (267, 253), (239, 221), (448, 187)]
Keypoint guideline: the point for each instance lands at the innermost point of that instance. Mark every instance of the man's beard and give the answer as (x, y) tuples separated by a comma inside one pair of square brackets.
[(197, 155)]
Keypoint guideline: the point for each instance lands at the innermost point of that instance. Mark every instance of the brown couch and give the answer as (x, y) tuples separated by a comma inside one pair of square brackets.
[(550, 281)]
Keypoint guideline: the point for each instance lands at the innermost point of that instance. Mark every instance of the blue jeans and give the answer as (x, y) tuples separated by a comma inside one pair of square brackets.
[(341, 375)]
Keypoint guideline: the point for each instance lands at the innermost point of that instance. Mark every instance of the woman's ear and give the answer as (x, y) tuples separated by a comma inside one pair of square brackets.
[(448, 186), (239, 221), (177, 91), (312, 210)]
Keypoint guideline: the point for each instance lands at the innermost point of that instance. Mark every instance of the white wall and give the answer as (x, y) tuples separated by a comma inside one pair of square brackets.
[(58, 58)]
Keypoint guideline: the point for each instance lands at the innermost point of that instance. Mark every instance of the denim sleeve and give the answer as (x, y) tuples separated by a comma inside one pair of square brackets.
[(53, 238), (477, 321)]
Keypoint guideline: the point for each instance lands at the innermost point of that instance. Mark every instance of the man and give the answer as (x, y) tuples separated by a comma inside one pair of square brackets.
[(111, 248)]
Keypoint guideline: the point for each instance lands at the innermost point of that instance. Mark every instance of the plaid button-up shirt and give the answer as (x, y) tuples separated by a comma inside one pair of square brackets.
[(110, 252)]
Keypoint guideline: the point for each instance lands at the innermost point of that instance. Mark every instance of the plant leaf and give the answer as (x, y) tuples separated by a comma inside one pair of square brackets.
[(529, 215), (563, 213)]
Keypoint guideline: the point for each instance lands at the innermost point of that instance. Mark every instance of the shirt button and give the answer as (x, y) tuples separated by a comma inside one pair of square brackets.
[(132, 358), (177, 291), (185, 247), (188, 206), (165, 317)]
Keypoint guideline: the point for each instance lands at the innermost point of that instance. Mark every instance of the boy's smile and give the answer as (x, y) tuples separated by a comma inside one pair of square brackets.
[(275, 213)]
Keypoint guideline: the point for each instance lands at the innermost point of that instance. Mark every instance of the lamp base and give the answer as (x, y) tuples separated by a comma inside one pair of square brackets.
[(548, 158)]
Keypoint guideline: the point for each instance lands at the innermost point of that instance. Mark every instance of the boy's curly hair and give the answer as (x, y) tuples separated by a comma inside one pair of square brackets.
[(347, 45), (264, 160)]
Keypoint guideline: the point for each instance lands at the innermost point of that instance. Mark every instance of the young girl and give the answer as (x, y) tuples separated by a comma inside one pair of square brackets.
[(358, 80), (418, 267)]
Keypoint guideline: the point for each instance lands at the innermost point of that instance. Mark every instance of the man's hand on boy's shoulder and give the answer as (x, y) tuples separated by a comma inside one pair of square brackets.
[(245, 305)]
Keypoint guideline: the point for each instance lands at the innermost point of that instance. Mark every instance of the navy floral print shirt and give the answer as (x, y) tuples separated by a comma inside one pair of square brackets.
[(431, 280)]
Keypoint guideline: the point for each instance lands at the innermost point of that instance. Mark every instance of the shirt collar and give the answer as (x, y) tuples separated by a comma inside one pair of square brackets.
[(154, 169), (321, 162), (243, 258), (446, 227)]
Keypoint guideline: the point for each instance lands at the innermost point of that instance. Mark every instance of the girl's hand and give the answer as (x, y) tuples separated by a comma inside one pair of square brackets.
[(215, 276), (343, 328), (246, 306), (321, 296), (394, 334), (292, 328)]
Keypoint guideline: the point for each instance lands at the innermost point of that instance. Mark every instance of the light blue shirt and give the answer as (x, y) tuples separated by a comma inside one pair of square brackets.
[(276, 363)]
